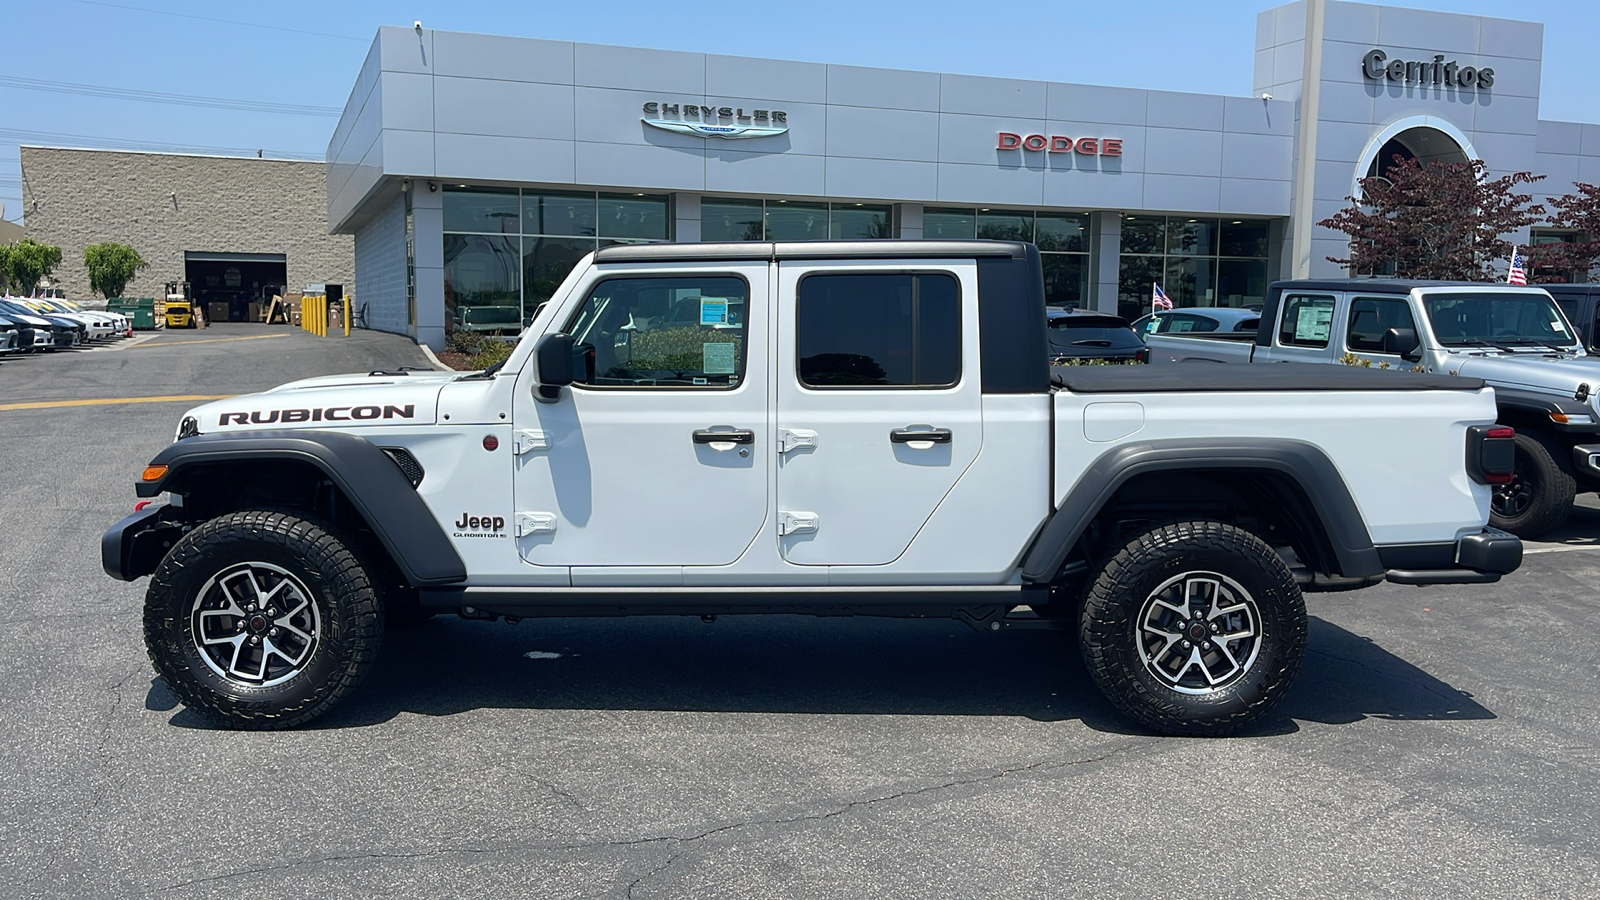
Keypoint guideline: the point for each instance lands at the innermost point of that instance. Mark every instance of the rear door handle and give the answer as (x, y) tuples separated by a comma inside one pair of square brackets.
[(931, 435), (707, 436)]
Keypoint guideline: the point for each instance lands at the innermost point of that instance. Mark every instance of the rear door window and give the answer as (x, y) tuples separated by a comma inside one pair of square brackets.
[(1371, 318), (1307, 320), (900, 330)]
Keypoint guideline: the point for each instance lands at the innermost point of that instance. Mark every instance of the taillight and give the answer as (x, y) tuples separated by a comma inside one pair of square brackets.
[(1491, 453)]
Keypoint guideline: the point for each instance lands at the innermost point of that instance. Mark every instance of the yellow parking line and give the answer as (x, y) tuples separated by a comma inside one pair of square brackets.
[(253, 337), (109, 401)]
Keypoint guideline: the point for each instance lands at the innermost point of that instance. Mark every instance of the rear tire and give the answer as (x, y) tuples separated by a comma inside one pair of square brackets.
[(261, 619), (1194, 628), (1539, 497)]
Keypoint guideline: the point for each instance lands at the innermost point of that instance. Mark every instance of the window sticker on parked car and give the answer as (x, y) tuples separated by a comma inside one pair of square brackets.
[(717, 358), (1313, 323), (714, 311)]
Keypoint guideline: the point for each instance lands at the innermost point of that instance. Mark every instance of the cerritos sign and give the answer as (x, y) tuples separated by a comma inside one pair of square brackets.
[(1056, 143), (1377, 66), (726, 122)]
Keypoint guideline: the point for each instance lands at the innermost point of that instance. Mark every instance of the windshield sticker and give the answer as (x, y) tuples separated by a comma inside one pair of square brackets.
[(713, 310), (1313, 323), (717, 359)]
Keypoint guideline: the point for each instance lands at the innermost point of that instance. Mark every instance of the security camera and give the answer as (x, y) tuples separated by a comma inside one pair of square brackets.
[(1266, 96), (417, 24)]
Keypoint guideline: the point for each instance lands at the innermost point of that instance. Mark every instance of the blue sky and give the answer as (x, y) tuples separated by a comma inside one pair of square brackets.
[(306, 54)]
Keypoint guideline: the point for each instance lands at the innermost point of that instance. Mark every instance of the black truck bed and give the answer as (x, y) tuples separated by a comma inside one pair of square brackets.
[(1219, 377)]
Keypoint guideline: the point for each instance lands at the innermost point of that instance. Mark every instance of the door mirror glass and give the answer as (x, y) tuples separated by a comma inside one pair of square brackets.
[(1403, 342), (553, 355)]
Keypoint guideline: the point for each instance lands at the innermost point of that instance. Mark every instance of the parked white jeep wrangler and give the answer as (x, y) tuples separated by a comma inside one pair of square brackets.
[(863, 428)]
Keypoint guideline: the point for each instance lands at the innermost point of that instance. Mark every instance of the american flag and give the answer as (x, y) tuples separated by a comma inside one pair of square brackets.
[(1516, 275), (1158, 300)]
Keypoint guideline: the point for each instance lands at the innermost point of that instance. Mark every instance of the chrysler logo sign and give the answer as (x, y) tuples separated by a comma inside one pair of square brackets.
[(708, 121)]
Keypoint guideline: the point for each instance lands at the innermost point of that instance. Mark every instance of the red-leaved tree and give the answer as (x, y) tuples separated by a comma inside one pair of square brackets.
[(1573, 259), (1435, 220)]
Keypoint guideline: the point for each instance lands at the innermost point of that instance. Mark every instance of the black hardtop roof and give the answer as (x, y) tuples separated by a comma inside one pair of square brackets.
[(773, 250), (1589, 288), (1383, 285)]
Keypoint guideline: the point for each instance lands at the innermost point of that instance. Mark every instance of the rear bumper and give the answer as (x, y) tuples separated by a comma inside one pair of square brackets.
[(1475, 559)]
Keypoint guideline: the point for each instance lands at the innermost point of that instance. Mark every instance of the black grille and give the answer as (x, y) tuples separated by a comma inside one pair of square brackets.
[(408, 464)]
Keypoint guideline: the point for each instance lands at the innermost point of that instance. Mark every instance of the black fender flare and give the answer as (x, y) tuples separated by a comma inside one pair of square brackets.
[(1543, 405), (363, 472), (1305, 464)]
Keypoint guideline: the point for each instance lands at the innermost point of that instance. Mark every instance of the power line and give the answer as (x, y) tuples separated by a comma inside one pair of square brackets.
[(96, 142), (163, 12), (90, 90)]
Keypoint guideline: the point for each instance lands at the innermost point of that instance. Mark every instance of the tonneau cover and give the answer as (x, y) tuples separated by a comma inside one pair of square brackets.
[(1218, 377)]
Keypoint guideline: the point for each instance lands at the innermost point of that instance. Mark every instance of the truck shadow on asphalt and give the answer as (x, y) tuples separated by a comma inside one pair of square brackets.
[(791, 665)]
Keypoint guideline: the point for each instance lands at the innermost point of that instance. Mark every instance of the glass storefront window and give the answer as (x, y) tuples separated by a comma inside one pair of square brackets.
[(1191, 280), (481, 210), (1191, 237), (1134, 278), (790, 220), (1245, 237), (855, 221), (1065, 232), (641, 216), (555, 212), (730, 220), (1005, 226), (949, 224), (1066, 279), (482, 272), (1241, 282), (545, 262), (1144, 234), (1197, 261)]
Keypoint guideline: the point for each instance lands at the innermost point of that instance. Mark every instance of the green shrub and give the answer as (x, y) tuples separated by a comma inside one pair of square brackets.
[(490, 352)]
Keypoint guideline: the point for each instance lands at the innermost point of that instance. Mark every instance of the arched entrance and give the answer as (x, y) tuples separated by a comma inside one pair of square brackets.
[(1419, 137)]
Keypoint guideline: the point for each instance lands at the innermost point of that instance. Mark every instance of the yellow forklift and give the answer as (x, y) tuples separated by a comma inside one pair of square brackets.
[(180, 306)]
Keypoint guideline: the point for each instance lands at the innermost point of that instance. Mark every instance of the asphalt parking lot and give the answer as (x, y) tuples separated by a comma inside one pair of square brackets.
[(1440, 741)]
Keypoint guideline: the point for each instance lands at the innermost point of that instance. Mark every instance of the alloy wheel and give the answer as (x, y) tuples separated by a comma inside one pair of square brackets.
[(256, 624), (1198, 632)]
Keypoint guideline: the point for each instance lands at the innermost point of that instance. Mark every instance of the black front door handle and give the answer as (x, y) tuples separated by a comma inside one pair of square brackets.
[(934, 435), (706, 436)]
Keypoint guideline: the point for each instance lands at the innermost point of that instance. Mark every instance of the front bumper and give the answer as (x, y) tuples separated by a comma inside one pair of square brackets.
[(136, 545), (1474, 559)]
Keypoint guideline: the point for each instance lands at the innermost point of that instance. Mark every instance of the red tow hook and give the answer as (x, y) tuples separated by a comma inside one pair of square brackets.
[(139, 507)]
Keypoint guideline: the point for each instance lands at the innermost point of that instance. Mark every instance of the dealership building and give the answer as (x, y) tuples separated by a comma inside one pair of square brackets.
[(474, 171)]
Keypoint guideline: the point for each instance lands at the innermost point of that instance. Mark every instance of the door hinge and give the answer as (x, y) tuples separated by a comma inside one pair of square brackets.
[(528, 441), (535, 523), (796, 522), (796, 438)]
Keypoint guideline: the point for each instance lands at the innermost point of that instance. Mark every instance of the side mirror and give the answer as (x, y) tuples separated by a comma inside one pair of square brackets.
[(553, 356), (1403, 343)]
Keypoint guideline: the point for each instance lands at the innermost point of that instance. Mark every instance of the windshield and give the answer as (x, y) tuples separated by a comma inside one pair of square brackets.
[(1486, 319)]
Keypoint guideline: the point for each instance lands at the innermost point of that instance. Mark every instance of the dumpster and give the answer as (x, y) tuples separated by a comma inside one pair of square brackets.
[(145, 313)]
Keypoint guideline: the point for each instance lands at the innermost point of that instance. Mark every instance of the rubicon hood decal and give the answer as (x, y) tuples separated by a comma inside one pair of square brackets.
[(318, 414), (726, 132), (401, 402)]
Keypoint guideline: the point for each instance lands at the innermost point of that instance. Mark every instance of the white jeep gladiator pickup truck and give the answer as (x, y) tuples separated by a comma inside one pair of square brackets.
[(828, 428), (1515, 338)]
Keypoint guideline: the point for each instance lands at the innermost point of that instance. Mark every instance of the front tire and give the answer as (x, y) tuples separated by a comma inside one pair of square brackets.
[(261, 619), (1194, 628), (1539, 497)]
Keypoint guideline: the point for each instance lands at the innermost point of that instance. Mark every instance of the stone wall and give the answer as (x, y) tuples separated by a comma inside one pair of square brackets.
[(164, 204)]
